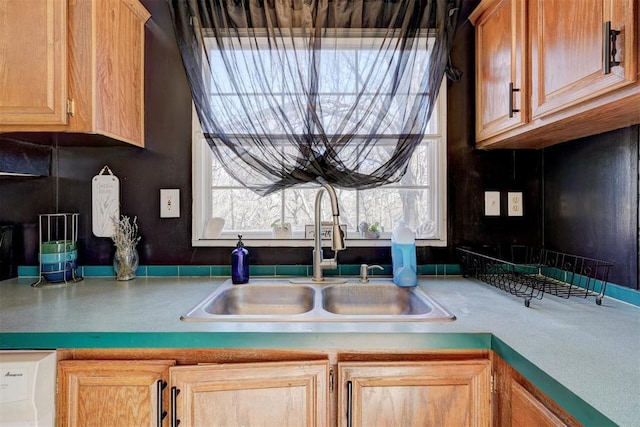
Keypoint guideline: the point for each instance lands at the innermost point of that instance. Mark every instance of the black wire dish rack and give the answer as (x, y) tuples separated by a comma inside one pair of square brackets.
[(530, 272)]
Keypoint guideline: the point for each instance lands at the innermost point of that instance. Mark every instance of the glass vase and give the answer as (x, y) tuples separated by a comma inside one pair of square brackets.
[(125, 263)]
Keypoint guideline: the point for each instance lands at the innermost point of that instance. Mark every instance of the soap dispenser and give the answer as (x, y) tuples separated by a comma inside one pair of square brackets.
[(240, 263)]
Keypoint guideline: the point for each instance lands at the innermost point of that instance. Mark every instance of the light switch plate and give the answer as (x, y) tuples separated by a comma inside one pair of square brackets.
[(169, 203), (492, 203), (515, 204)]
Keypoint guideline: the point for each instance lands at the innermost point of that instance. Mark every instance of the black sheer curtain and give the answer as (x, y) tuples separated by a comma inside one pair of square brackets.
[(287, 91)]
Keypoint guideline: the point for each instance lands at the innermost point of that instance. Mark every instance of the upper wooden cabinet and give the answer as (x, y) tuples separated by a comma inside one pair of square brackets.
[(33, 62), (73, 66), (580, 70), (567, 51), (500, 65)]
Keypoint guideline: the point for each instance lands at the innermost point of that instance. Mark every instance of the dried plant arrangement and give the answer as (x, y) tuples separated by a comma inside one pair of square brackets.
[(125, 239), (126, 233)]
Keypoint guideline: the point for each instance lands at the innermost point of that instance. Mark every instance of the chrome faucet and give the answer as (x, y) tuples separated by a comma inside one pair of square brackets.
[(337, 242)]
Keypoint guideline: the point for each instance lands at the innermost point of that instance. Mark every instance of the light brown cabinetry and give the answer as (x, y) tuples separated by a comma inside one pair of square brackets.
[(33, 66), (500, 68), (520, 403), (111, 392), (74, 66), (286, 387), (148, 392), (252, 394), (580, 70), (527, 410), (567, 51), (438, 393), (296, 388)]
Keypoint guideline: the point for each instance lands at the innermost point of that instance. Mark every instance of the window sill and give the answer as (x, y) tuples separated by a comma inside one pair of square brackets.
[(303, 243)]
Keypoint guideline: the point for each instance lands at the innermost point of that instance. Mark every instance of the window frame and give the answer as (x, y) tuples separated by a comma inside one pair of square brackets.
[(201, 197)]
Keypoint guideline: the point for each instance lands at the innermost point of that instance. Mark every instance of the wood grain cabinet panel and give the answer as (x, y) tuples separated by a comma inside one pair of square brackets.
[(500, 68), (576, 80), (287, 394), (527, 411), (567, 51), (427, 393), (110, 393), (33, 62), (95, 68)]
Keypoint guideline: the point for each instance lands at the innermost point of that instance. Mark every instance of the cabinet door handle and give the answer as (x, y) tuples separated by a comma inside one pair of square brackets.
[(609, 39), (160, 385), (511, 90), (349, 404), (174, 413)]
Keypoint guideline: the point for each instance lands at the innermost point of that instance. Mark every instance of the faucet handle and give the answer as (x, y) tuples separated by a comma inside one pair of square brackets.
[(364, 271)]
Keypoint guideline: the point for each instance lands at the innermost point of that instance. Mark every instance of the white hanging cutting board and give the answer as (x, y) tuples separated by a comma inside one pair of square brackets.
[(105, 203)]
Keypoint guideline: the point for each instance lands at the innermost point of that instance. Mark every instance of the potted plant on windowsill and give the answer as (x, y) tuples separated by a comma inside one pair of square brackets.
[(281, 230), (370, 231)]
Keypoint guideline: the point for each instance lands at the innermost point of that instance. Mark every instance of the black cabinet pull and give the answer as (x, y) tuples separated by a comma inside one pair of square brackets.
[(349, 403), (160, 385), (511, 90), (609, 39), (174, 398)]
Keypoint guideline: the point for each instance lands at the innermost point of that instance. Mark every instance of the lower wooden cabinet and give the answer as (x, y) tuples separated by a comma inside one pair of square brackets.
[(423, 393), (286, 394), (227, 387), (111, 392), (527, 410), (520, 404)]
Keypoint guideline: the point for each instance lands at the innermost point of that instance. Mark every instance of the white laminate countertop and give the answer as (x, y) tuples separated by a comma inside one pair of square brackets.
[(592, 350)]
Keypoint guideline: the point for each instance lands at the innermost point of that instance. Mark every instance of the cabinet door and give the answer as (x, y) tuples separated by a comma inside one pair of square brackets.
[(252, 394), (500, 68), (33, 62), (567, 51), (119, 69), (527, 411), (455, 393), (111, 393)]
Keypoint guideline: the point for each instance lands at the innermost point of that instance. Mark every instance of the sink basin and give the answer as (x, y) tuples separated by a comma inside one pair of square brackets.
[(262, 300), (373, 299), (278, 300)]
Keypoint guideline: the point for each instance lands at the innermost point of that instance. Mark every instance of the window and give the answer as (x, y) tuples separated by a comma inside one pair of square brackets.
[(419, 198)]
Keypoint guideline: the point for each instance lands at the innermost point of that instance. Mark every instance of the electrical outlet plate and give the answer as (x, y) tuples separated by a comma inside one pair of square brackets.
[(492, 203), (515, 204), (169, 203)]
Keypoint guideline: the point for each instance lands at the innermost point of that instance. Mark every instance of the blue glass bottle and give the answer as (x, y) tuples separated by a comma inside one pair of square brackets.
[(240, 263)]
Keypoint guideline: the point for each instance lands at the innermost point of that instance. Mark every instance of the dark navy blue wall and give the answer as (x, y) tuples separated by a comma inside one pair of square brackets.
[(591, 200)]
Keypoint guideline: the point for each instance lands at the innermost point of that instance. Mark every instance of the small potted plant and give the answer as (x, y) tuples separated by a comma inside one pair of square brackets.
[(125, 238), (281, 230), (370, 231)]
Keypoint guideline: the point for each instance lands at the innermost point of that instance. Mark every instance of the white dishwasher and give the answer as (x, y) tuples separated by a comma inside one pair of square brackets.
[(27, 388)]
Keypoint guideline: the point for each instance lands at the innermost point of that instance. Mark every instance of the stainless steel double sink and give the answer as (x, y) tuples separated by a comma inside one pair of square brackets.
[(278, 300)]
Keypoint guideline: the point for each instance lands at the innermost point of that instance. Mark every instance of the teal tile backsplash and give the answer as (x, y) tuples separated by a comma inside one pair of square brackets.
[(614, 291), (255, 270)]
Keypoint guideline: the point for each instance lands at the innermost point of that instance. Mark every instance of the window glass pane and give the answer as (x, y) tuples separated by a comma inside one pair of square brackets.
[(338, 70), (300, 206), (388, 206), (420, 167), (245, 210), (335, 113)]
